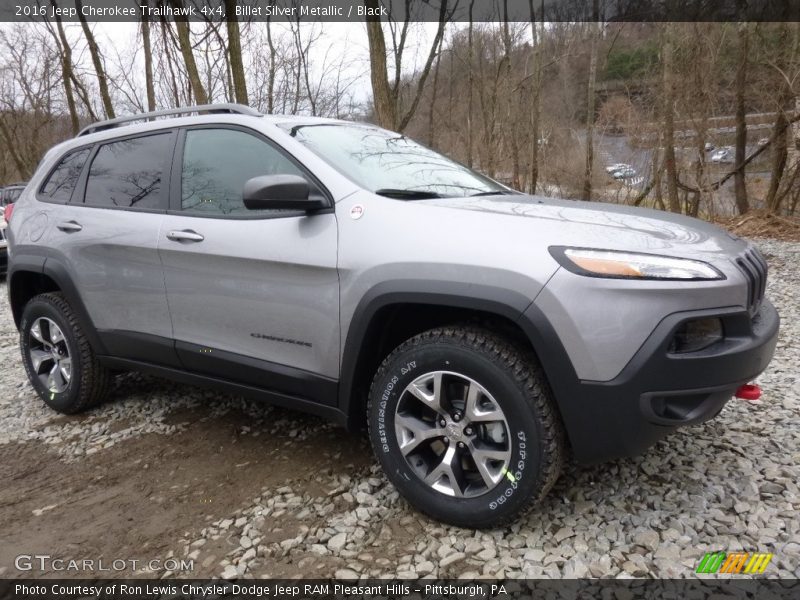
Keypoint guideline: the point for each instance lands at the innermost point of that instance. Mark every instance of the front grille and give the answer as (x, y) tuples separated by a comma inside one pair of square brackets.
[(754, 267)]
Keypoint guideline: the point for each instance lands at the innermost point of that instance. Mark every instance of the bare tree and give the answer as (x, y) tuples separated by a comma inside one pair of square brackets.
[(536, 99), (590, 107), (668, 93), (235, 53), (65, 52), (97, 61), (185, 45), (148, 61), (387, 98), (741, 118)]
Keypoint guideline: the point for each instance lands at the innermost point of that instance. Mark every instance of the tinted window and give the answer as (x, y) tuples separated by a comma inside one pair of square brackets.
[(129, 173), (62, 180), (218, 162)]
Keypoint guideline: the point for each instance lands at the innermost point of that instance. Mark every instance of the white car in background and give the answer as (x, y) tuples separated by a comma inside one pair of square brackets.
[(624, 173), (723, 155), (611, 169)]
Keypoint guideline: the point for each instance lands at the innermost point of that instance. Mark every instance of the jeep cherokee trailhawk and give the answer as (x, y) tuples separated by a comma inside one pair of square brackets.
[(346, 270)]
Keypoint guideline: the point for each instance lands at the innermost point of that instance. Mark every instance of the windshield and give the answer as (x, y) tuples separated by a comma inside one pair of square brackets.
[(391, 164)]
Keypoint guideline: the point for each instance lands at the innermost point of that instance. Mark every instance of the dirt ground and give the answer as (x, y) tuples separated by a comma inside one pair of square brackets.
[(136, 499), (761, 223)]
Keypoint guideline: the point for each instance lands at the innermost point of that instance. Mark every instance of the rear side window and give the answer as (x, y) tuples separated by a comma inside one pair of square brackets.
[(218, 162), (129, 173), (64, 178)]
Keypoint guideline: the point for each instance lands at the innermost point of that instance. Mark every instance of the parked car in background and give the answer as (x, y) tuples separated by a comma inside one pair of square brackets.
[(10, 193), (723, 155), (709, 147), (611, 169), (624, 173)]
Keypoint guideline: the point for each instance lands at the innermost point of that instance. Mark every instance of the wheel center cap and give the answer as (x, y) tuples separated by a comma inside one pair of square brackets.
[(454, 431)]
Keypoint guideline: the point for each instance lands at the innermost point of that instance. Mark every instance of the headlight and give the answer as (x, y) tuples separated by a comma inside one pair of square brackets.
[(631, 265)]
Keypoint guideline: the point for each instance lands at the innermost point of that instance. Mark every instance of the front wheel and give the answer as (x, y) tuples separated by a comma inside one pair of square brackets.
[(464, 426)]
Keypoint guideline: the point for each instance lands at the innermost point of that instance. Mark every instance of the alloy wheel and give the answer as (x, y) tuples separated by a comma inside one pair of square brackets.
[(49, 354), (453, 434)]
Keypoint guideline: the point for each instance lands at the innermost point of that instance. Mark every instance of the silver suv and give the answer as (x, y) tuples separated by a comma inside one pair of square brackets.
[(345, 270)]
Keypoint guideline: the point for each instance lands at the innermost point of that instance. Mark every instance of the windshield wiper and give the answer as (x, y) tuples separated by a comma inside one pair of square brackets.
[(407, 194), (495, 193)]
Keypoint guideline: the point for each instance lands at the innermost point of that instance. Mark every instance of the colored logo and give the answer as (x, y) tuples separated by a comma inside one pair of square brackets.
[(357, 211), (745, 563)]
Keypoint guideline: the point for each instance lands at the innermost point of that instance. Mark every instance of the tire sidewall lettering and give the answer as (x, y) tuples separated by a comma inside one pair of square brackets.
[(394, 383)]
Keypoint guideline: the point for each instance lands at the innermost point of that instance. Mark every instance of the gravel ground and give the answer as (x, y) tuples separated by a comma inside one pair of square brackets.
[(249, 490)]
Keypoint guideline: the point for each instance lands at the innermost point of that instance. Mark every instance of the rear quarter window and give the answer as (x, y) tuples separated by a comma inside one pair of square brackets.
[(63, 179)]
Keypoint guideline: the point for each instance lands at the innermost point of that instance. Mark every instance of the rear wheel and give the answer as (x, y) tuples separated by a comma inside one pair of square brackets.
[(464, 426), (58, 359)]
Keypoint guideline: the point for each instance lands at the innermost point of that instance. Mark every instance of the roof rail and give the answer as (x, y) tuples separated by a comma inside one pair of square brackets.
[(239, 109)]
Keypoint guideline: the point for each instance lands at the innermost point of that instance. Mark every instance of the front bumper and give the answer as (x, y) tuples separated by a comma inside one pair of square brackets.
[(657, 392)]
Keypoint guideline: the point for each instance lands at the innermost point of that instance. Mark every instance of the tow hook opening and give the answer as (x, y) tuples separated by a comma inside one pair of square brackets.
[(749, 392)]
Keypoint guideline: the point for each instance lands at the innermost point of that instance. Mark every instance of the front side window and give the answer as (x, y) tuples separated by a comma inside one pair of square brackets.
[(129, 173), (62, 181), (218, 162), (389, 163)]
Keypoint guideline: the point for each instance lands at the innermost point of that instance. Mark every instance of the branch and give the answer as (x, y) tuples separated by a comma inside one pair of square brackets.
[(719, 183)]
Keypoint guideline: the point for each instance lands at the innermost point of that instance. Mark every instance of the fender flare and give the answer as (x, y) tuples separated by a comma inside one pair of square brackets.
[(506, 303), (48, 265)]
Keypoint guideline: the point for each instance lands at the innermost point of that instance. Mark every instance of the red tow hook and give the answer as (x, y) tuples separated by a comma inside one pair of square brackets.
[(749, 391)]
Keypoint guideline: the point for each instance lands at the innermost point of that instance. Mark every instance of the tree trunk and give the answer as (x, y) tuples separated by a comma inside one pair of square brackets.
[(422, 76), (535, 103), (66, 71), (235, 53), (779, 146), (273, 66), (470, 85), (590, 102), (382, 95), (510, 129), (148, 63), (432, 109), (669, 122), (97, 61), (185, 44), (741, 120)]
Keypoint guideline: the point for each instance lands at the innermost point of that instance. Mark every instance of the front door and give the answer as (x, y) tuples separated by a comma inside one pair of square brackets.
[(253, 295)]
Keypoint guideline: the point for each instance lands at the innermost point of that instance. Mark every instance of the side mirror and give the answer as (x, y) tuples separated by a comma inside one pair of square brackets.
[(280, 192)]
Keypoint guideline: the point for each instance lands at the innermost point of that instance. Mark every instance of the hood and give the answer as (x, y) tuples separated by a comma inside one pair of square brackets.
[(608, 226)]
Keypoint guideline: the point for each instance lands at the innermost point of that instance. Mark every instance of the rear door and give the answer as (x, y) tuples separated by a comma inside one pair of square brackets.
[(253, 295), (108, 236)]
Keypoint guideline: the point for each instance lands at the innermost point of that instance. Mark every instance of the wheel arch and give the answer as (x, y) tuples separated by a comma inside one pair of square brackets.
[(373, 331), (32, 275)]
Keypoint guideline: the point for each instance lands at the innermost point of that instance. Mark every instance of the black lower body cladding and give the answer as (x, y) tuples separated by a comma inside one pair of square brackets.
[(657, 391)]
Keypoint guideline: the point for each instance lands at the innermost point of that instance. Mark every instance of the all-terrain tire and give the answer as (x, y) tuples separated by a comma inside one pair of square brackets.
[(89, 381), (515, 381)]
